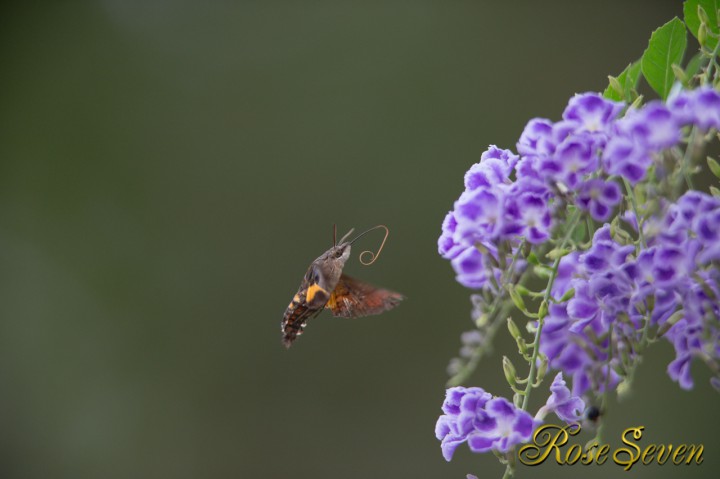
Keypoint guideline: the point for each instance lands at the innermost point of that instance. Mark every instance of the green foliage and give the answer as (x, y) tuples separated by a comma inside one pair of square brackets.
[(693, 20), (666, 47), (623, 88), (693, 67), (714, 167)]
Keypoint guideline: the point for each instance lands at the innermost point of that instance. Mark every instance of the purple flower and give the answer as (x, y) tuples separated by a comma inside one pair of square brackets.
[(470, 267), (507, 157), (654, 125), (567, 407), (686, 339), (706, 103), (593, 112), (500, 427), (488, 172), (460, 407), (599, 197), (536, 138), (700, 107), (447, 247), (574, 158), (627, 157), (479, 214), (486, 424), (604, 252), (528, 212)]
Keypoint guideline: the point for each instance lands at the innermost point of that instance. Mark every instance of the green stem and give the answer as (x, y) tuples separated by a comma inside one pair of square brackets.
[(604, 401), (497, 320), (638, 219), (713, 56), (541, 319), (490, 332), (687, 157), (591, 228)]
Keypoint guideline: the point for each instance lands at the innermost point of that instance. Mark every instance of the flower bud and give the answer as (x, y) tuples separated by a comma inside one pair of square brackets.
[(509, 370), (543, 311), (714, 166), (702, 15), (615, 85), (679, 73), (569, 294), (482, 320), (702, 35), (514, 330), (516, 298)]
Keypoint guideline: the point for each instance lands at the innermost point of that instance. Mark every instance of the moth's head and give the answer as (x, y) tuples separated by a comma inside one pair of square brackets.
[(339, 253)]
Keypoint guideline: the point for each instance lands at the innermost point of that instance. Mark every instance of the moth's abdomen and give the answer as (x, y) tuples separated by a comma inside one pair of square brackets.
[(302, 306)]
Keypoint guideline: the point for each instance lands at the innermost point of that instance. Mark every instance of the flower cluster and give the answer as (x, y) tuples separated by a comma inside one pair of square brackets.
[(645, 274), (495, 424), (670, 285), (509, 198)]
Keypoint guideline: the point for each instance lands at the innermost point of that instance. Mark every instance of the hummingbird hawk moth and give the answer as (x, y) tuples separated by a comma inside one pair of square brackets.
[(324, 286)]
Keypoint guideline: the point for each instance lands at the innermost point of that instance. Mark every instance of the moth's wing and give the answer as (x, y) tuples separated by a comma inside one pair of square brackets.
[(353, 298), (308, 301)]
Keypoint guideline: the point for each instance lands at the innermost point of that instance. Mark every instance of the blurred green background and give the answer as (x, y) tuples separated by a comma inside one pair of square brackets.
[(168, 170)]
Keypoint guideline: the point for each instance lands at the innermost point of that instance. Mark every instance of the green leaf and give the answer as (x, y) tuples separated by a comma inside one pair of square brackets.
[(533, 259), (667, 46), (627, 80), (579, 233), (714, 167), (692, 20), (714, 191), (693, 67)]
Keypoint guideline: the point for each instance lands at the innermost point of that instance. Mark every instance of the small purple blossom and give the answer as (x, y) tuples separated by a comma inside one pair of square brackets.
[(654, 125), (447, 247), (574, 158), (485, 423), (599, 197), (628, 157), (567, 407), (592, 112), (536, 138), (700, 107)]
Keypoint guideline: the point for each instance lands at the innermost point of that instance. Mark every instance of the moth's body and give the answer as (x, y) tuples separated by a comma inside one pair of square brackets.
[(325, 286)]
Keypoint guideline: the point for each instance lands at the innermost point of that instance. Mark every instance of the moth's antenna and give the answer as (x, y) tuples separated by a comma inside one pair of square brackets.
[(334, 235), (373, 256)]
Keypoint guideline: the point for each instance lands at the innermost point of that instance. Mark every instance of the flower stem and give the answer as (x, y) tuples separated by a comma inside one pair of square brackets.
[(483, 348), (604, 401), (713, 56), (638, 219), (541, 318), (687, 158), (498, 319)]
